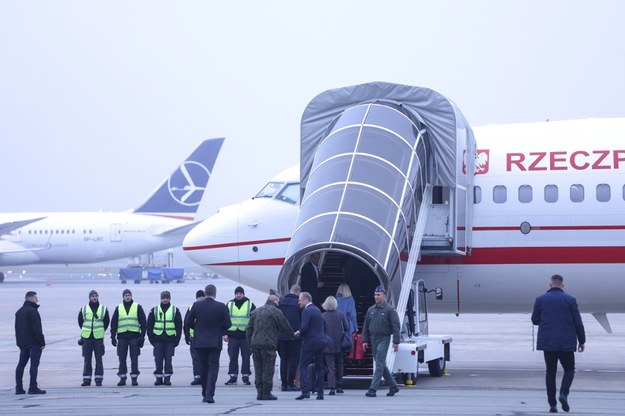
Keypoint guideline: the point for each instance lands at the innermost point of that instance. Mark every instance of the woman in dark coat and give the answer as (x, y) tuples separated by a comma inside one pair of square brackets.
[(335, 324)]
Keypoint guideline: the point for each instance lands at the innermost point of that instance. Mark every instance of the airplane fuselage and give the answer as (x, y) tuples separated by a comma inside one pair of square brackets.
[(86, 237), (549, 198)]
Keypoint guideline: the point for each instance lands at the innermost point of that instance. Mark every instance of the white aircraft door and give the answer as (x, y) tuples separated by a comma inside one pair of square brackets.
[(116, 233)]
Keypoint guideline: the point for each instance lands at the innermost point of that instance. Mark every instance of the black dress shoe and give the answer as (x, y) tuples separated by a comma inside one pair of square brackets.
[(332, 392), (196, 382), (553, 409), (303, 396), (208, 400), (320, 397), (393, 391), (20, 390), (339, 390), (564, 402), (370, 393), (36, 390)]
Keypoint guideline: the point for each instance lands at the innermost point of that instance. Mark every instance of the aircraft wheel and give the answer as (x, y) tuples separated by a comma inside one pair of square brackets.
[(437, 367), (123, 282)]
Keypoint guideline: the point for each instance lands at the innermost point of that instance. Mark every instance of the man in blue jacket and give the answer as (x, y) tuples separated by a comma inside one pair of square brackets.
[(560, 333), (288, 348), (313, 343), (29, 338)]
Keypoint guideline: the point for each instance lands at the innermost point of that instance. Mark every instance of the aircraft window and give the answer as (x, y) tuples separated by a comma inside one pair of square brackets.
[(603, 192), (551, 193), (577, 193), (270, 190), (525, 194), (290, 194), (477, 194), (500, 194)]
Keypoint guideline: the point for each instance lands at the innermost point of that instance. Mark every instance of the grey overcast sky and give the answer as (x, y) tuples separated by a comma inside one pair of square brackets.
[(100, 100)]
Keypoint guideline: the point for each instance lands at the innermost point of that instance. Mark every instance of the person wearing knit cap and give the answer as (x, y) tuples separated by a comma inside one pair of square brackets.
[(128, 327), (195, 358), (240, 309), (164, 332), (93, 319)]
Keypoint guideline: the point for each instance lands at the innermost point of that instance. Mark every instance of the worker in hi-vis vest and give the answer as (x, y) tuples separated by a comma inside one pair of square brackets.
[(164, 332), (94, 320), (128, 328), (195, 358), (240, 308)]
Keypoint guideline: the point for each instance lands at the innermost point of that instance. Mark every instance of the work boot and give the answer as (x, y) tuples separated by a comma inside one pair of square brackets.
[(339, 390), (85, 383), (159, 381), (370, 393), (259, 394), (393, 391), (167, 381), (36, 390), (122, 381), (332, 392), (134, 381), (196, 382), (232, 381), (269, 396), (246, 380), (98, 383), (19, 390)]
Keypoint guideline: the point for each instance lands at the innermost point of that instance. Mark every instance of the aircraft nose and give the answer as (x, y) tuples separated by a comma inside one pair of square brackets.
[(213, 242)]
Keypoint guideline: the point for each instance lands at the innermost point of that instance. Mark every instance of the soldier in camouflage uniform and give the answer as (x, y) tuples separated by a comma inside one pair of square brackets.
[(262, 336)]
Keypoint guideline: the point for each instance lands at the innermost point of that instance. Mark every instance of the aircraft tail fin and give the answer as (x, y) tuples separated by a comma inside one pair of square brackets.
[(179, 196)]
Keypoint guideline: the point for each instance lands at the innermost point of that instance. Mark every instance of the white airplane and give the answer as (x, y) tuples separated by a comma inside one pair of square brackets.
[(547, 198), (159, 223)]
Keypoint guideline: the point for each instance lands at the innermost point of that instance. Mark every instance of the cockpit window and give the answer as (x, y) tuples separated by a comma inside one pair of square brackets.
[(270, 190), (290, 194)]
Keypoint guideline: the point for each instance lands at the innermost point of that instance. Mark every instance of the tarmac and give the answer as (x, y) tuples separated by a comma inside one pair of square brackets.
[(493, 369)]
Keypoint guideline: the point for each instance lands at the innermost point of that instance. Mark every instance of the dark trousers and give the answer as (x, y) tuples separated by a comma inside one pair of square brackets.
[(567, 360), (163, 352), (310, 355), (195, 361), (379, 349), (264, 368), (236, 345), (334, 369), (92, 347), (209, 370), (32, 353), (123, 346), (289, 359)]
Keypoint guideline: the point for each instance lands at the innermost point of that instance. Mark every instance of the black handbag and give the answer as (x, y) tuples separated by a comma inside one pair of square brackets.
[(346, 342)]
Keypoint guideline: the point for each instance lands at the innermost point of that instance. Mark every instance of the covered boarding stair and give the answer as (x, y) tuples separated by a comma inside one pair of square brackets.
[(386, 176)]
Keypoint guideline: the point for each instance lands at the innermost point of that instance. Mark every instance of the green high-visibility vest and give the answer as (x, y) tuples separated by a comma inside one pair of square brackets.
[(128, 322), (239, 317), (93, 323), (164, 320), (191, 330)]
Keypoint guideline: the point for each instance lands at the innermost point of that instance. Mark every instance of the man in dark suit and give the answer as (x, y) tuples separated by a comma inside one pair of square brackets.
[(209, 320), (309, 279), (313, 343)]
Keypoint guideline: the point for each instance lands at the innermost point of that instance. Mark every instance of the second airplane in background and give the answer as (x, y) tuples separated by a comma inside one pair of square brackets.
[(159, 223)]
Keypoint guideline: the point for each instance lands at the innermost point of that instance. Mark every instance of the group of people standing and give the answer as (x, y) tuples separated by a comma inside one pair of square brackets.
[(304, 337)]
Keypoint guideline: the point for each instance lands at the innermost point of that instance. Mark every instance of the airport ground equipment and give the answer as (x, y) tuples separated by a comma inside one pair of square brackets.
[(386, 177)]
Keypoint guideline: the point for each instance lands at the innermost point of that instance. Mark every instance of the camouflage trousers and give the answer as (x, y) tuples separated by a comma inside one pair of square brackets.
[(264, 368)]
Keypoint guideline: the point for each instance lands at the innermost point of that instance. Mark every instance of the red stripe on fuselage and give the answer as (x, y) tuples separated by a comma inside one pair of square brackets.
[(533, 255), (261, 262), (238, 244)]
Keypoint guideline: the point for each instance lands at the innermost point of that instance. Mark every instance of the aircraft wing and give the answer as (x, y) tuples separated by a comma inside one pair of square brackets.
[(7, 227), (182, 230)]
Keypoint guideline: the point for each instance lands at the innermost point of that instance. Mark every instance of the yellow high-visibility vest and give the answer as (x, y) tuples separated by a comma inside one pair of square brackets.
[(93, 323), (239, 317), (164, 320), (128, 322)]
